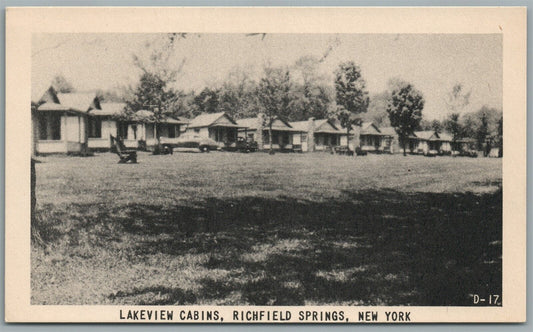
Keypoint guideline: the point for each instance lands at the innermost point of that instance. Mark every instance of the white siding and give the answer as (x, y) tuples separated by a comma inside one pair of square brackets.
[(51, 147), (72, 127)]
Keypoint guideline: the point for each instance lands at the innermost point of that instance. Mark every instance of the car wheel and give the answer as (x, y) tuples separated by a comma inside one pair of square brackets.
[(204, 148)]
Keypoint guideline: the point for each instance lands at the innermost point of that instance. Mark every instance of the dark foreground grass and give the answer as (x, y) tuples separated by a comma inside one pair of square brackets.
[(225, 228)]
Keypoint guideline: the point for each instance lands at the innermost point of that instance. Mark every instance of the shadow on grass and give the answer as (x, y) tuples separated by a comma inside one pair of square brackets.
[(155, 296), (370, 247)]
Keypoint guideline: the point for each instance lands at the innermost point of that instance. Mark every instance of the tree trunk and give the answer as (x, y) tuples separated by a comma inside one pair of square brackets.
[(33, 197), (348, 138), (157, 134), (35, 229), (271, 151), (403, 145), (157, 148)]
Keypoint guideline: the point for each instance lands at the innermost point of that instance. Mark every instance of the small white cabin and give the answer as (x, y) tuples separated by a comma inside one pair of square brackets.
[(60, 122)]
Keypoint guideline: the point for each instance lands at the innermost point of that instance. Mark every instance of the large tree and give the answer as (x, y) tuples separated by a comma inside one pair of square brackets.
[(153, 94), (377, 109), (405, 111), (311, 95), (237, 95), (453, 126), (500, 137), (482, 130), (351, 96), (159, 66), (273, 93), (207, 101)]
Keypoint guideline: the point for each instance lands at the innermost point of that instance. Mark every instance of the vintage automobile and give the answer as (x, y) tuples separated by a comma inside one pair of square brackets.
[(244, 145), (465, 153), (204, 144)]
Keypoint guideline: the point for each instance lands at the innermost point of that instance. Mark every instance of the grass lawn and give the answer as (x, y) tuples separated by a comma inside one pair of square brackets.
[(288, 229)]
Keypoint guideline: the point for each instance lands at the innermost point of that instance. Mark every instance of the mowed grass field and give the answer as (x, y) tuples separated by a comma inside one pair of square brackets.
[(288, 229)]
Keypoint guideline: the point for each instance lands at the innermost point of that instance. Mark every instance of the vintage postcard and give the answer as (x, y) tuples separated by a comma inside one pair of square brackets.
[(265, 165)]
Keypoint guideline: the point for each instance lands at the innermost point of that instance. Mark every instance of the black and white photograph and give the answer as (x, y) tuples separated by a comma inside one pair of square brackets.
[(314, 170)]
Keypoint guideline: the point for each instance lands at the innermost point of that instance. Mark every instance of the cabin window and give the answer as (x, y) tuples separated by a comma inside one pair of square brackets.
[(251, 137), (95, 127), (172, 131), (275, 138), (50, 127), (122, 130), (286, 138), (304, 137), (197, 130)]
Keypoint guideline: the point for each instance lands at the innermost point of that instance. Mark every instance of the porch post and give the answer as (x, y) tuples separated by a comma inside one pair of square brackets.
[(64, 121)]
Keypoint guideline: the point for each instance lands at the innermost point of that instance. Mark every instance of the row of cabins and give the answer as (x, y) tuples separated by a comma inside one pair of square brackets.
[(79, 123)]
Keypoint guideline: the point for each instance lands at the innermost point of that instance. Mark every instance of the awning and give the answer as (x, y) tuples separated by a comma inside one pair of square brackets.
[(53, 107), (330, 132)]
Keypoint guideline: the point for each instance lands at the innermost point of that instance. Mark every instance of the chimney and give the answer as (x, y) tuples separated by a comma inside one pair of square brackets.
[(311, 134), (259, 131)]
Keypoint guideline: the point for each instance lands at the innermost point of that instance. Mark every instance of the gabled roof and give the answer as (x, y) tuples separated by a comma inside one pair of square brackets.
[(326, 126), (446, 137), (428, 135), (369, 128), (49, 95), (321, 126), (53, 107), (109, 109), (73, 102), (51, 100), (80, 101), (176, 120), (277, 124), (389, 131), (300, 125), (280, 124), (213, 119), (149, 117), (248, 123)]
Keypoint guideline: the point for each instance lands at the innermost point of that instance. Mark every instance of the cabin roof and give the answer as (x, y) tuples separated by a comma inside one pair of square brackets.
[(429, 135), (108, 109), (81, 101), (210, 120), (299, 125), (322, 126), (149, 117), (48, 106), (446, 137), (205, 119), (369, 128), (388, 131), (325, 126), (248, 123), (278, 124)]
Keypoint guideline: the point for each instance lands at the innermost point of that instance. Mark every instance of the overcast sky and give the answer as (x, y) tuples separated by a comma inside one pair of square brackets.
[(433, 63)]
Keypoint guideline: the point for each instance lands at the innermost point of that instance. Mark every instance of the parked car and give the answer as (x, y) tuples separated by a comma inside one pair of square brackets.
[(344, 150), (431, 153), (465, 153), (204, 144), (243, 145), (360, 152)]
